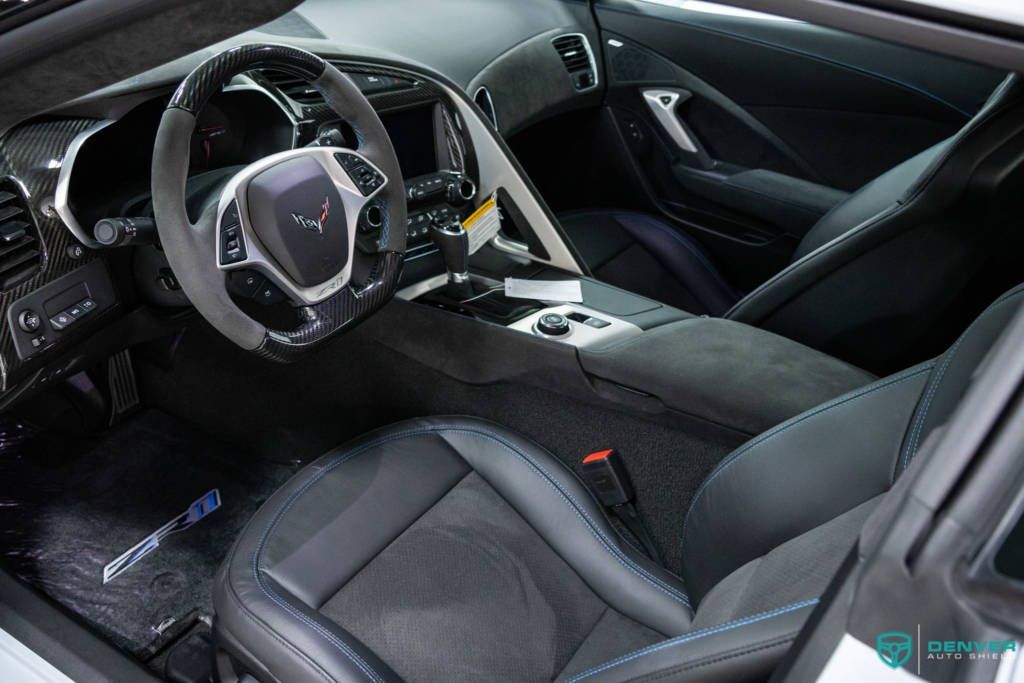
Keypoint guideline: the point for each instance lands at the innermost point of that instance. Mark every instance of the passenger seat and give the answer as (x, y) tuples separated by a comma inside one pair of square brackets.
[(885, 269)]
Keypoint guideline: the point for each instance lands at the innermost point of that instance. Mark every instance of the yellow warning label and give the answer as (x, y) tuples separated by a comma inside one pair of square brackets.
[(483, 224), (479, 213)]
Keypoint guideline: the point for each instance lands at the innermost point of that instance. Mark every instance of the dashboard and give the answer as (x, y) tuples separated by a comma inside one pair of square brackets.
[(69, 302), (105, 174)]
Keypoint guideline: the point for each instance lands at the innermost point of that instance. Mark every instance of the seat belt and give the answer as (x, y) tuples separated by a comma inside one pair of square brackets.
[(606, 476)]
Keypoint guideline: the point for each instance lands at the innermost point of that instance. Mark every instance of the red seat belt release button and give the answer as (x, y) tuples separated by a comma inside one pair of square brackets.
[(605, 474)]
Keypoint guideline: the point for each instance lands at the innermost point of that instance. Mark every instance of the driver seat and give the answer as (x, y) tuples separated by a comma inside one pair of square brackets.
[(451, 549)]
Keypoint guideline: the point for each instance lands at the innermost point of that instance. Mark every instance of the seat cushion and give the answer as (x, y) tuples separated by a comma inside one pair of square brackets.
[(439, 549), (470, 591), (642, 253)]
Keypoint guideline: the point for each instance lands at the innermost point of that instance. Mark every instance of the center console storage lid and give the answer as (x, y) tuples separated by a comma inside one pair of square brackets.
[(725, 372)]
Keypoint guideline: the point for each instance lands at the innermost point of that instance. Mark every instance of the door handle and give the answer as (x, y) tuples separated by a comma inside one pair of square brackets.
[(663, 104)]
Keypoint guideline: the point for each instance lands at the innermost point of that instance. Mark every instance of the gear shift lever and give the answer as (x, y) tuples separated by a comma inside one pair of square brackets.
[(453, 242)]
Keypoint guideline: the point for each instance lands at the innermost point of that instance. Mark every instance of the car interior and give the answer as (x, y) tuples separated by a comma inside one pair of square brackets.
[(583, 347)]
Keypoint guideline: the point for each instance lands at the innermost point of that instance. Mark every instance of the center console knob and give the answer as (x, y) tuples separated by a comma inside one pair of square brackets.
[(460, 190), (553, 324)]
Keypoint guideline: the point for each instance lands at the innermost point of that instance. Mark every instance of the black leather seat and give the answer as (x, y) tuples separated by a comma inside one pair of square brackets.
[(888, 268), (453, 549)]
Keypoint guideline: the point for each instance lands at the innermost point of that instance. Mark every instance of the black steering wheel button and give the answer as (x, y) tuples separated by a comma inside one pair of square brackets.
[(232, 246), (230, 218), (245, 282), (366, 178), (348, 161)]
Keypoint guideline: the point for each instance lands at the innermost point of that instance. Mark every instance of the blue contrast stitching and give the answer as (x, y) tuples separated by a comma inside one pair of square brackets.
[(696, 635), (624, 560), (737, 454), (933, 388), (257, 570)]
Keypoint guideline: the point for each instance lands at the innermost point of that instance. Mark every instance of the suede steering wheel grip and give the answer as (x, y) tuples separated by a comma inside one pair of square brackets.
[(191, 248)]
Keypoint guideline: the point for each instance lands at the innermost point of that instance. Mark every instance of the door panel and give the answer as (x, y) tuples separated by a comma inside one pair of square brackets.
[(785, 117)]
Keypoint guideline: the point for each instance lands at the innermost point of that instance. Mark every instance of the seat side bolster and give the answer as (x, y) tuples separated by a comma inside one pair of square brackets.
[(821, 463), (745, 649), (309, 538)]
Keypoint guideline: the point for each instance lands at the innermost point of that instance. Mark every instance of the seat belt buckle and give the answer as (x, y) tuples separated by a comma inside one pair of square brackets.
[(606, 475)]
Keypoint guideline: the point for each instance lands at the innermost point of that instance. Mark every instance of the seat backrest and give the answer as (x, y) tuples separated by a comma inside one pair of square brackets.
[(825, 462), (891, 273)]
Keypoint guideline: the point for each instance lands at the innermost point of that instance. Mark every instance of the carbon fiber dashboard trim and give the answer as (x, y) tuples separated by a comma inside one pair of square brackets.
[(33, 154)]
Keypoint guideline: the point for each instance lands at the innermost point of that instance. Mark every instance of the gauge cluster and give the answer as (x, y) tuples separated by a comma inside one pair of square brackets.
[(109, 174)]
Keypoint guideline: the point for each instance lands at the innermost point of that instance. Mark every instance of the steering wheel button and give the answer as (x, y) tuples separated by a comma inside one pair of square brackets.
[(230, 218), (87, 305), (232, 248), (348, 161), (75, 311)]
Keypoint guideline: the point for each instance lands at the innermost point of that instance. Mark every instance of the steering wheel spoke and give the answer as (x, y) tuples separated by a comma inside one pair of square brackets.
[(308, 251)]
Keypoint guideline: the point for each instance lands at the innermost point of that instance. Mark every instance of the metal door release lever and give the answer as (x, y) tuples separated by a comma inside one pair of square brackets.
[(663, 105)]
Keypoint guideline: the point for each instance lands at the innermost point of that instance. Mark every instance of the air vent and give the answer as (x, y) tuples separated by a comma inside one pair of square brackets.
[(574, 49), (303, 93), (20, 250), (296, 88)]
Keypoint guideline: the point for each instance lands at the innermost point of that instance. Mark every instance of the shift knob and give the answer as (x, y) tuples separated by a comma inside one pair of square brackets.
[(453, 243)]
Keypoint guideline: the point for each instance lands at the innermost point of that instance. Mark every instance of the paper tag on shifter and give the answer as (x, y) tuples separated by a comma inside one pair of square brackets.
[(483, 224), (569, 291)]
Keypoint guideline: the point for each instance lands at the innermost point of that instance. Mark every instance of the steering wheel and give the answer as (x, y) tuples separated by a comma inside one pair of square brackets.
[(291, 216)]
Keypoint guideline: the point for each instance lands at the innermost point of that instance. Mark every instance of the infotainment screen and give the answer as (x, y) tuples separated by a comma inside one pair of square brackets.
[(412, 134)]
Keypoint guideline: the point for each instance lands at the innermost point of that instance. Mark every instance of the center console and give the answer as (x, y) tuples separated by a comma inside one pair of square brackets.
[(630, 350)]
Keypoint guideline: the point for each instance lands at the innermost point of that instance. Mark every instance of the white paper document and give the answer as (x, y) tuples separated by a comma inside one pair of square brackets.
[(568, 291)]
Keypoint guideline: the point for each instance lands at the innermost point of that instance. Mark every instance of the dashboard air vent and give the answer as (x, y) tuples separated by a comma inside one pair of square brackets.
[(296, 88), (574, 49), (303, 93), (20, 250)]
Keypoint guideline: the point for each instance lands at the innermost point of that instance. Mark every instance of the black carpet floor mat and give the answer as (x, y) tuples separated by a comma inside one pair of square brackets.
[(66, 512)]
